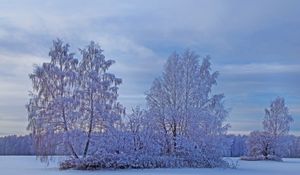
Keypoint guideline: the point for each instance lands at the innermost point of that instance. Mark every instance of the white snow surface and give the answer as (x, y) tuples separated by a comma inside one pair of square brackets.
[(29, 165)]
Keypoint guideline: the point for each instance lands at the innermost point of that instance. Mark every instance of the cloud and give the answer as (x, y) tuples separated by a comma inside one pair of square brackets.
[(253, 44), (258, 68)]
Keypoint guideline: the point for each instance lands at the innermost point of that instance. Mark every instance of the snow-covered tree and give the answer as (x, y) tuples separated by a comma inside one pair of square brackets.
[(277, 124), (97, 93), (277, 118), (184, 113), (273, 142), (51, 106)]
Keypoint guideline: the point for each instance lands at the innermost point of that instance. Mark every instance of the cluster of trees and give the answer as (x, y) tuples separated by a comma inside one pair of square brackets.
[(182, 126), (74, 109), (73, 99)]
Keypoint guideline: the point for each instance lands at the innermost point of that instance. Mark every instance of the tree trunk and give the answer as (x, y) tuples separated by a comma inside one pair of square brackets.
[(67, 130), (90, 127)]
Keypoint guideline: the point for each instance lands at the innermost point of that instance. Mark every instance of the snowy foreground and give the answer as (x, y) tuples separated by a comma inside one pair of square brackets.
[(14, 165)]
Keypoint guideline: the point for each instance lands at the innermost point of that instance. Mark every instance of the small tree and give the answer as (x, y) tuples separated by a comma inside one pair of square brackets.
[(272, 143), (277, 124)]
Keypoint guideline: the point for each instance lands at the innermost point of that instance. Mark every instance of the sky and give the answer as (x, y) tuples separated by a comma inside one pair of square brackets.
[(255, 45)]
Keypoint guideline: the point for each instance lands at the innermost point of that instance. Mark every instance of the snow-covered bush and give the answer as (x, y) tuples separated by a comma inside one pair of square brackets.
[(124, 161), (261, 157), (259, 144)]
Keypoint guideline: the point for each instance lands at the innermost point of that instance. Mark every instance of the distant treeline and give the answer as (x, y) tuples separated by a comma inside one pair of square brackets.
[(23, 145), (16, 145)]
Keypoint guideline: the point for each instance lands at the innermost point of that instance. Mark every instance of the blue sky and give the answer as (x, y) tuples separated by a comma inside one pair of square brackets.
[(254, 44)]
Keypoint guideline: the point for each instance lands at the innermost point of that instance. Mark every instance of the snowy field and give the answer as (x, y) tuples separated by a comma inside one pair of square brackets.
[(15, 165)]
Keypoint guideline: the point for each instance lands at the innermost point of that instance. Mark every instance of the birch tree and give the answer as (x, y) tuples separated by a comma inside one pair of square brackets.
[(97, 93), (276, 123), (183, 109), (273, 142), (51, 108)]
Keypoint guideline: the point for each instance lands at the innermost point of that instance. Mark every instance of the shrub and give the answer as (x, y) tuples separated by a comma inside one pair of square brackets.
[(122, 161)]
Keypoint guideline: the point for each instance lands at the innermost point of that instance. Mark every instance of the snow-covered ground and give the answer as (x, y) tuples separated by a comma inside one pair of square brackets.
[(28, 165)]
